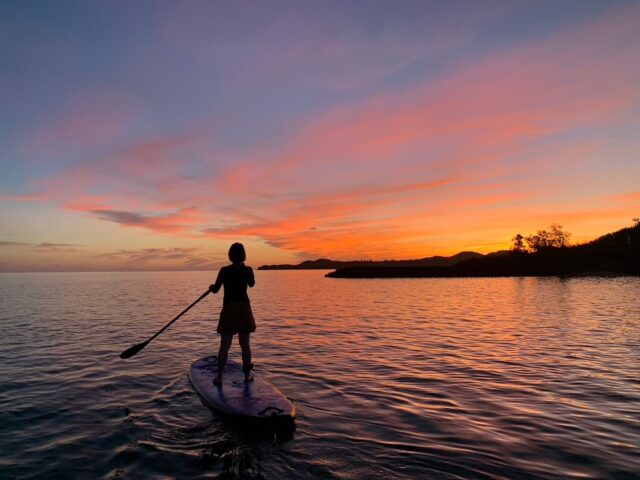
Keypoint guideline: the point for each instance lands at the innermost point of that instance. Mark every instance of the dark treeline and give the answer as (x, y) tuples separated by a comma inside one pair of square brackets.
[(327, 264), (545, 253)]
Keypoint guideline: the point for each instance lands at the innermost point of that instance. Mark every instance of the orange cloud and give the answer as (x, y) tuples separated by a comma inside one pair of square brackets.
[(629, 197), (460, 161), (480, 120), (176, 223)]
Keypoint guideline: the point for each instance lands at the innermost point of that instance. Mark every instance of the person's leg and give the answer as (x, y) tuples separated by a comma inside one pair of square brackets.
[(223, 353), (247, 366)]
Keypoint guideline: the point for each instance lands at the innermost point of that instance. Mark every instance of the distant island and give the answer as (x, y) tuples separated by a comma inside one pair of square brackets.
[(326, 264), (546, 253)]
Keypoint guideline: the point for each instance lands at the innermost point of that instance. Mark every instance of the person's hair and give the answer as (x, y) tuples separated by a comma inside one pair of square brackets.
[(237, 253)]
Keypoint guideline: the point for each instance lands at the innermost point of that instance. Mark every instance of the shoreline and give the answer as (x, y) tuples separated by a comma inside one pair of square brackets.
[(452, 272)]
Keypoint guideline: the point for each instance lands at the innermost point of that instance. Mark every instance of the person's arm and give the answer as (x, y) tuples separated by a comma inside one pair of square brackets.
[(251, 281), (215, 287)]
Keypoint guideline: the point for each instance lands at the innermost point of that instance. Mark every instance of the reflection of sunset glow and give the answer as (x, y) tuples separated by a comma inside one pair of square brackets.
[(396, 144)]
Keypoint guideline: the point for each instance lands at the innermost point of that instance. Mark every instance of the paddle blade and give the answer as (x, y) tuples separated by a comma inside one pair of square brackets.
[(131, 351)]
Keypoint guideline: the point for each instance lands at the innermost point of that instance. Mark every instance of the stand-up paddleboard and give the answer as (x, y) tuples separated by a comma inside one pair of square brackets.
[(257, 399)]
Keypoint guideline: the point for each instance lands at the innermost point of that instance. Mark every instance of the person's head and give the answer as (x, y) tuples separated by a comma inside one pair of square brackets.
[(237, 253)]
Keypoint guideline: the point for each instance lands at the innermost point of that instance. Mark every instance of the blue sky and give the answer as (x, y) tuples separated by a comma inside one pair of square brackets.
[(310, 128)]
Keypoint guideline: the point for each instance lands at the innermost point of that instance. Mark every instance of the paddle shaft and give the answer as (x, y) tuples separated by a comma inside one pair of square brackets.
[(131, 351), (181, 313)]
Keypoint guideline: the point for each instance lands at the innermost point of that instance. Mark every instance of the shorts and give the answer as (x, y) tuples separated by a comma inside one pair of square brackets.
[(236, 317)]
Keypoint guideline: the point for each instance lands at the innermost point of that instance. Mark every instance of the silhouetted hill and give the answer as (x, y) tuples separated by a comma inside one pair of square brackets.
[(326, 264), (616, 253)]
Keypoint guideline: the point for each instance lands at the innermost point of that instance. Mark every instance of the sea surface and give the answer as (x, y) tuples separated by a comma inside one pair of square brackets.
[(489, 378)]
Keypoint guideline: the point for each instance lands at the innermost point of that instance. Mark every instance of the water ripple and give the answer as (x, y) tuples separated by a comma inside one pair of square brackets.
[(415, 378)]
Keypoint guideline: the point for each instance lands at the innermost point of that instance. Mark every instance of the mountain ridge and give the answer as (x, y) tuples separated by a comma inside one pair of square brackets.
[(328, 264), (615, 253)]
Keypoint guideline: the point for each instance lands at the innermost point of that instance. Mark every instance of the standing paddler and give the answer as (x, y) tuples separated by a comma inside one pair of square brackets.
[(236, 315)]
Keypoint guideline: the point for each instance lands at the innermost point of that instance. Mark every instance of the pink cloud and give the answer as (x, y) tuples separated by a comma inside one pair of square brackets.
[(87, 203), (467, 155), (180, 223), (92, 118), (629, 197)]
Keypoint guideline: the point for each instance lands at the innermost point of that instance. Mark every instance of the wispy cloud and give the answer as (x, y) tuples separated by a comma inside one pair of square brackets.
[(453, 159), (64, 257), (13, 244), (188, 258), (629, 197), (47, 247), (175, 223), (96, 117)]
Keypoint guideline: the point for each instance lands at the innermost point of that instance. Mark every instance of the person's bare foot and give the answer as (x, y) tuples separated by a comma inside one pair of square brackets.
[(246, 369)]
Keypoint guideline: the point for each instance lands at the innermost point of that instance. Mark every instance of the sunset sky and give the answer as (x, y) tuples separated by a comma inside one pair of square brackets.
[(152, 134)]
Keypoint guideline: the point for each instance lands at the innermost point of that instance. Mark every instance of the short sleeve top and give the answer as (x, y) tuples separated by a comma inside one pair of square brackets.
[(235, 279)]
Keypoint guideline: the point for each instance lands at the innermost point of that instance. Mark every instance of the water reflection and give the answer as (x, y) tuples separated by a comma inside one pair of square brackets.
[(411, 378)]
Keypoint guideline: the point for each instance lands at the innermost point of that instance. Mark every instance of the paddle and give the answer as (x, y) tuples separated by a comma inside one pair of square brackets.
[(131, 351)]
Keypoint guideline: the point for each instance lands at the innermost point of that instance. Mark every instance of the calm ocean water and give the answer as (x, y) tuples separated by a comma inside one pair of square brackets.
[(503, 378)]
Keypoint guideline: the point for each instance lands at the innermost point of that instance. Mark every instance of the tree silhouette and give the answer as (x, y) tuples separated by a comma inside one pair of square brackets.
[(554, 237), (518, 244), (559, 237)]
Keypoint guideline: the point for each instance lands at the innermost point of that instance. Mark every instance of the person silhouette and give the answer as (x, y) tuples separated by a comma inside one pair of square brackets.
[(236, 315)]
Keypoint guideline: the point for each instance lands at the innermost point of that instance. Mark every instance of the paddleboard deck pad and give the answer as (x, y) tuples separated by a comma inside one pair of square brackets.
[(235, 397)]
